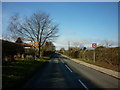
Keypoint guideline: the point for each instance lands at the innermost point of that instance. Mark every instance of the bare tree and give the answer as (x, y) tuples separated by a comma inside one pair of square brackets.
[(78, 45), (107, 43), (6, 36), (38, 27)]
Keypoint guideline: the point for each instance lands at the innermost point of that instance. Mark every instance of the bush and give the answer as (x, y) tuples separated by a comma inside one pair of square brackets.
[(48, 53), (108, 55), (105, 55), (30, 51)]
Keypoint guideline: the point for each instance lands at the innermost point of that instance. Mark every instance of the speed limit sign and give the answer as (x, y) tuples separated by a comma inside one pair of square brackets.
[(94, 45)]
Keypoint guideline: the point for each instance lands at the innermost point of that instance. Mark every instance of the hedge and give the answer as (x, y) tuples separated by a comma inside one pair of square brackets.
[(9, 49), (107, 55)]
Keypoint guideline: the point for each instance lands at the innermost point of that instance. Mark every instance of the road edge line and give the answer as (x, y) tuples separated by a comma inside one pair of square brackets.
[(83, 84), (68, 68)]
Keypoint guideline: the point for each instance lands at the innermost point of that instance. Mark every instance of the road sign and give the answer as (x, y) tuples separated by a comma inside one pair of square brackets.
[(94, 45), (36, 43)]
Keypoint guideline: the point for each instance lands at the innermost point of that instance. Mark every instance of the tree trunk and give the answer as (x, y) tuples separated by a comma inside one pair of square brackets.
[(39, 53)]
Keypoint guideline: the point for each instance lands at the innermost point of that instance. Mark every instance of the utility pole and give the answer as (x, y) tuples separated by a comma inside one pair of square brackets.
[(69, 47)]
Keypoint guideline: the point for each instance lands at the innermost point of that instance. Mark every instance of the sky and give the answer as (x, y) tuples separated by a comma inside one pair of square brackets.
[(60, 0), (83, 22)]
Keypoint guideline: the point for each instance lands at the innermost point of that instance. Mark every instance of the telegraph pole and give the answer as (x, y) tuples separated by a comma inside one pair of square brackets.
[(69, 47)]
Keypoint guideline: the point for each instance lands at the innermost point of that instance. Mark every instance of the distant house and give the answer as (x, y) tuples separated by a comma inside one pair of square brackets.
[(11, 50), (26, 45), (29, 50)]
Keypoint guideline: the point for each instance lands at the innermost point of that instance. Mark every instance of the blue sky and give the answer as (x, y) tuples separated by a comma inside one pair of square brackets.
[(85, 22)]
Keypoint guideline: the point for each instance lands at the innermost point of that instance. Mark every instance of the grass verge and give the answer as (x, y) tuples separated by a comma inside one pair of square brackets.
[(101, 64), (15, 74)]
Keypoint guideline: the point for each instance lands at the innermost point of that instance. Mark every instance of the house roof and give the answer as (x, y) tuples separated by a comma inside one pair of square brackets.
[(26, 45)]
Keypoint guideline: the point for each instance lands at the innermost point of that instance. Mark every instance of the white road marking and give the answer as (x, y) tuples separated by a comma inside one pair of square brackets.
[(83, 84), (56, 61), (62, 61), (68, 68)]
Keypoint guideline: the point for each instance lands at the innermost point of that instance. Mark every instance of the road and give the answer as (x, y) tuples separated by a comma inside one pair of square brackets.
[(64, 73)]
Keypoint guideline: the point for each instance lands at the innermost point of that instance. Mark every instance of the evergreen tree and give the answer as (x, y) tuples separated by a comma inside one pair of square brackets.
[(19, 40)]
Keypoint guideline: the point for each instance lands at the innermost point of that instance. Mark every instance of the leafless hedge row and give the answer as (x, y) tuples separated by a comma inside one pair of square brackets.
[(107, 55)]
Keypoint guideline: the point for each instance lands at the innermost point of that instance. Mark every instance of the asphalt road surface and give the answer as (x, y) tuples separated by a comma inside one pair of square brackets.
[(61, 72)]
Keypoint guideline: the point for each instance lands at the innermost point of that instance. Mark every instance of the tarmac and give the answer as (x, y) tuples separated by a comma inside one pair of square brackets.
[(98, 68)]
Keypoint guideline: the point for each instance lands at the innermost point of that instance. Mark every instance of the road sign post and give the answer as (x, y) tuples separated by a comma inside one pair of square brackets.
[(94, 45), (94, 55), (36, 44)]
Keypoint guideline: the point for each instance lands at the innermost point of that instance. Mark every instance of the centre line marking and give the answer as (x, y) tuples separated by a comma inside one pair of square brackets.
[(62, 61), (83, 84), (68, 68)]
